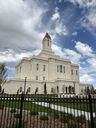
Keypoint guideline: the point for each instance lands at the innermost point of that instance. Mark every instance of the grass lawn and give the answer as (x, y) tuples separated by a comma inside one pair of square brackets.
[(61, 102)]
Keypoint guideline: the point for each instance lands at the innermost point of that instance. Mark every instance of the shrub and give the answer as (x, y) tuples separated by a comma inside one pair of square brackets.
[(94, 119), (74, 125), (16, 125), (56, 115), (80, 119), (17, 115), (13, 110), (64, 118), (33, 112), (43, 117), (1, 106)]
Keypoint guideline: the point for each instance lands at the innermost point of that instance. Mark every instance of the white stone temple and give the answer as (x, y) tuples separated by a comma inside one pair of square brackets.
[(46, 73)]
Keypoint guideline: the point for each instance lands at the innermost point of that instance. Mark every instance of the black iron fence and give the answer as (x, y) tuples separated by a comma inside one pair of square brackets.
[(47, 111)]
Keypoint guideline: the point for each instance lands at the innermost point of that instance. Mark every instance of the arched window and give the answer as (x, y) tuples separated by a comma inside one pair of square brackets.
[(70, 89)]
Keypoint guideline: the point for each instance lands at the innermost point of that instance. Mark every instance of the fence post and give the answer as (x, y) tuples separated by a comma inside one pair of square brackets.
[(21, 106), (91, 111)]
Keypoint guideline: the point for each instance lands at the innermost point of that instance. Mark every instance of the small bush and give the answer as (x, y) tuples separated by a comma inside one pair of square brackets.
[(56, 115), (1, 106), (13, 110), (17, 115), (33, 112), (94, 119), (16, 125), (64, 118), (80, 119), (74, 125), (43, 117)]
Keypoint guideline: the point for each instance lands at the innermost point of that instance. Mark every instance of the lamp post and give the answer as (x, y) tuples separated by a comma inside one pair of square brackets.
[(25, 85)]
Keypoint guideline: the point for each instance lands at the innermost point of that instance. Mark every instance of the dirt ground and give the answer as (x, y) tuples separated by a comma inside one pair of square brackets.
[(7, 119)]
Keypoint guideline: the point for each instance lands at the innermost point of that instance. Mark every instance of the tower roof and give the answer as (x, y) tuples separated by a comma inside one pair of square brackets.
[(47, 36)]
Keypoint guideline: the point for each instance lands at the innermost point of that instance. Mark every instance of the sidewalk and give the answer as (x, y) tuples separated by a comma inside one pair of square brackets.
[(72, 111)]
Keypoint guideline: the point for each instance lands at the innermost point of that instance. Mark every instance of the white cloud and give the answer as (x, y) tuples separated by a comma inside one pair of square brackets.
[(58, 50), (74, 33), (84, 49), (92, 64), (86, 78), (84, 3), (72, 55), (89, 21), (18, 22), (61, 29), (67, 53), (56, 15), (12, 56)]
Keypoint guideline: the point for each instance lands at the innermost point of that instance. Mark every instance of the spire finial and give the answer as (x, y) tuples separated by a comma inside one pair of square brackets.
[(47, 35)]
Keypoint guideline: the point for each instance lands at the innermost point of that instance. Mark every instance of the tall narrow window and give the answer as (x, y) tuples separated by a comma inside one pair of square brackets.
[(60, 68), (66, 89), (52, 90), (37, 67), (57, 89), (36, 77), (43, 77), (76, 72), (72, 72), (57, 68), (43, 67), (48, 42), (64, 69)]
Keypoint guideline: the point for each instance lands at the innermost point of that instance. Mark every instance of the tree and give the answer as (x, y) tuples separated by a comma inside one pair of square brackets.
[(36, 90), (3, 75)]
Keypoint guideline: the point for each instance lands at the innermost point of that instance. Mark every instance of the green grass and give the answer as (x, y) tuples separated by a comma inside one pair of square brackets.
[(78, 106), (29, 105)]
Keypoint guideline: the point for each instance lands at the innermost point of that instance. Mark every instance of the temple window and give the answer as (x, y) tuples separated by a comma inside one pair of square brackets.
[(72, 72), (43, 77), (57, 68), (36, 77), (76, 72), (60, 68), (64, 69), (37, 67), (43, 67)]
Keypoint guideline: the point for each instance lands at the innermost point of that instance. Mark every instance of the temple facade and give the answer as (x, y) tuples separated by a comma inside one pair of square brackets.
[(46, 73)]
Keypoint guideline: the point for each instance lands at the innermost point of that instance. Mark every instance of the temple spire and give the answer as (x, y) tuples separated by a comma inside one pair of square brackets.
[(46, 42)]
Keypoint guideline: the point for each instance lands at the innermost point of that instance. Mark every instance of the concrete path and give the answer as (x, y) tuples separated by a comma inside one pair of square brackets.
[(72, 111)]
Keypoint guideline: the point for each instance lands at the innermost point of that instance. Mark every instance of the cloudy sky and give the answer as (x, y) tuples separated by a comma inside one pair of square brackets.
[(71, 23)]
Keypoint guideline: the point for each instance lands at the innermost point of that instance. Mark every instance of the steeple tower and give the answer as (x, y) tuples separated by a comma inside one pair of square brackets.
[(46, 43)]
